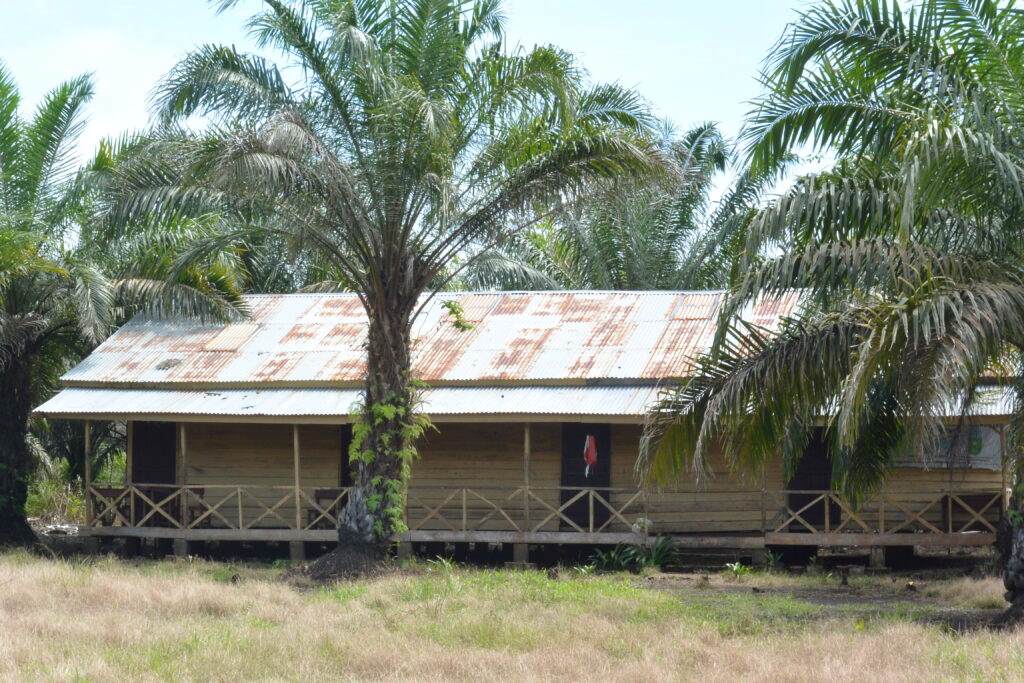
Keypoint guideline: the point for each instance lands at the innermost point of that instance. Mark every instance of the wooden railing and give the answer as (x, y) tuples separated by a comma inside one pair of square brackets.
[(216, 506), (583, 510), (782, 515), (526, 509), (943, 512)]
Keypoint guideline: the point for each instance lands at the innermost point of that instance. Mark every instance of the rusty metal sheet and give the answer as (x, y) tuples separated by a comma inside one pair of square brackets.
[(516, 337)]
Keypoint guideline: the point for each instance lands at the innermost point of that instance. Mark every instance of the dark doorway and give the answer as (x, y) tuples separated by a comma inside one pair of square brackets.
[(813, 473), (154, 460), (575, 474), (154, 453)]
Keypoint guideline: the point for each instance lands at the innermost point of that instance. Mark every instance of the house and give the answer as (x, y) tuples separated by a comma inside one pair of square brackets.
[(240, 431)]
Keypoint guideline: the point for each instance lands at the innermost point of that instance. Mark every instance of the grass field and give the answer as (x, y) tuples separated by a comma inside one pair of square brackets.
[(109, 619)]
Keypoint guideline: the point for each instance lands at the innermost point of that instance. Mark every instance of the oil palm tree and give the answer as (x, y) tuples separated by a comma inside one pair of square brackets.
[(907, 256), (58, 293), (659, 231), (411, 134)]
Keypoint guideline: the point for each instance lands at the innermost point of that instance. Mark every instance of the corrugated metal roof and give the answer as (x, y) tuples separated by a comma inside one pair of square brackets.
[(624, 402), (517, 337)]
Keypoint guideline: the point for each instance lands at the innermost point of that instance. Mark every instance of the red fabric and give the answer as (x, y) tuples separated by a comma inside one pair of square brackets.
[(590, 450)]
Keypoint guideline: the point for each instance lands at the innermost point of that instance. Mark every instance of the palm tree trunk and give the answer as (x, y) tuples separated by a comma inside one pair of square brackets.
[(384, 439), (15, 458)]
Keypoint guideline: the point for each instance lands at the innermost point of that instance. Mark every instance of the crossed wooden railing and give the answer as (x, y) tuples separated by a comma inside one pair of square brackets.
[(883, 513), (585, 510), (532, 509), (219, 506), (527, 509)]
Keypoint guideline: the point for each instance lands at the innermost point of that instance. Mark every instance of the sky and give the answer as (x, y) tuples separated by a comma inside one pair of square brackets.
[(692, 60)]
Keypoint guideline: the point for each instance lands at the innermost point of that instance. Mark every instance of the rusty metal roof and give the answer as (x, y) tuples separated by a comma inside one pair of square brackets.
[(538, 338)]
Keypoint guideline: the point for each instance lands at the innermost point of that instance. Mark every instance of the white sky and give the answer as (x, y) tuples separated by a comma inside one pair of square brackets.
[(693, 60)]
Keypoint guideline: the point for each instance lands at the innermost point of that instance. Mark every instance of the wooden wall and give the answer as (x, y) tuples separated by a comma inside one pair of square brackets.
[(724, 503), (261, 456), (488, 458)]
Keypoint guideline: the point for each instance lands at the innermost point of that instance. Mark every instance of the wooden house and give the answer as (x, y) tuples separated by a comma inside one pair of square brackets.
[(240, 431)]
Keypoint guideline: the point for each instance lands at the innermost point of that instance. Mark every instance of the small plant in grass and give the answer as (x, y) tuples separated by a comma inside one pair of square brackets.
[(635, 558), (662, 553), (441, 565), (738, 570), (772, 561), (617, 559)]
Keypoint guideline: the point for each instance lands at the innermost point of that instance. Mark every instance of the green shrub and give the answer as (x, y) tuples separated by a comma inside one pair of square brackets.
[(635, 557), (52, 498)]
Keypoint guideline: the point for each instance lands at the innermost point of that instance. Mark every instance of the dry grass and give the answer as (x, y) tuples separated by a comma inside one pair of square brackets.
[(111, 620)]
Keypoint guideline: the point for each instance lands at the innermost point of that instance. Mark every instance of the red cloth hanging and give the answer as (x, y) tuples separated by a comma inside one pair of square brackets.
[(589, 453)]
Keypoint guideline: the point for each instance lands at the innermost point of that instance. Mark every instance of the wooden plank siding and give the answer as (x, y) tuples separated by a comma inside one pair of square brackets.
[(488, 458), (261, 455), (724, 503)]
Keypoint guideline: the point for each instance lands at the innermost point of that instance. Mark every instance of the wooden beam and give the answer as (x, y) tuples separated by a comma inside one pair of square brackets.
[(298, 492), (129, 451), (87, 472), (526, 473), (930, 540), (1004, 502), (182, 474)]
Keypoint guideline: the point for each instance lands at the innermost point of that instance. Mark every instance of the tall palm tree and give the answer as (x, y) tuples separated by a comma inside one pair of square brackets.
[(411, 134), (907, 256), (660, 231), (58, 292)]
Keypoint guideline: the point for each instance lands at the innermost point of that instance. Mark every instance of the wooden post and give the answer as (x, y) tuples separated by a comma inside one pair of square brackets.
[(183, 477), (1004, 501), (764, 502), (881, 510), (129, 451), (295, 458), (526, 475), (87, 470)]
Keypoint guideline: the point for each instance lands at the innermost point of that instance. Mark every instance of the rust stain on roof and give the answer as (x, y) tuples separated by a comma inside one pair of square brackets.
[(277, 368), (200, 366), (512, 362), (302, 332), (345, 367), (346, 334), (511, 305)]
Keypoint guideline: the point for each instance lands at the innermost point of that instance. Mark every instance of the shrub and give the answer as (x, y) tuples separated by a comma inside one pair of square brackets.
[(635, 557), (52, 498)]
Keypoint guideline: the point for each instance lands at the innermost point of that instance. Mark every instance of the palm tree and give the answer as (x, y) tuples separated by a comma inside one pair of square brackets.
[(660, 231), (906, 256), (411, 134), (59, 293)]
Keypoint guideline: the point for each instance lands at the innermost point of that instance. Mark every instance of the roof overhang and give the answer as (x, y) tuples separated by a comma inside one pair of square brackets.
[(317, 405)]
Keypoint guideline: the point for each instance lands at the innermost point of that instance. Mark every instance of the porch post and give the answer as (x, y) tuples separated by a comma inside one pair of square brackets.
[(87, 471), (297, 549), (526, 473), (129, 454), (521, 551), (1004, 501), (182, 474), (182, 548)]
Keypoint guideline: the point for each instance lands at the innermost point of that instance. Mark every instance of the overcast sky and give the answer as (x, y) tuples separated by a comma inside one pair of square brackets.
[(693, 60)]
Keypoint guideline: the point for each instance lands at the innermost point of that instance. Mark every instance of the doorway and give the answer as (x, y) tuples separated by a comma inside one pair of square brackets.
[(577, 475)]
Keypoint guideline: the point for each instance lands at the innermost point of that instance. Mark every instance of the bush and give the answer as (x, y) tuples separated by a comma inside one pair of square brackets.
[(52, 498), (635, 557)]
